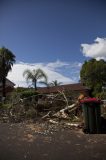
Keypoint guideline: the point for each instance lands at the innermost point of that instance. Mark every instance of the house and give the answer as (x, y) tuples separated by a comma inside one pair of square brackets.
[(9, 86), (70, 88)]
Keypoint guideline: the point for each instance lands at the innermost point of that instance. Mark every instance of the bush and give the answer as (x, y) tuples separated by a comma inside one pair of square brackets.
[(5, 106), (26, 94), (31, 113), (101, 95), (22, 89)]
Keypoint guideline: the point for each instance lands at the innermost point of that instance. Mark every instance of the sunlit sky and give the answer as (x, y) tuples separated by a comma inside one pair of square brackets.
[(54, 35)]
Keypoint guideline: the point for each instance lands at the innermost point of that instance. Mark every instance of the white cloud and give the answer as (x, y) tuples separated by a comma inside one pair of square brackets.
[(16, 75), (57, 64), (95, 50)]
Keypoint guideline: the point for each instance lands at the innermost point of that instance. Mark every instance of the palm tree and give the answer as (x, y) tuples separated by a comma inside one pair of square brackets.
[(35, 75), (55, 83), (7, 59)]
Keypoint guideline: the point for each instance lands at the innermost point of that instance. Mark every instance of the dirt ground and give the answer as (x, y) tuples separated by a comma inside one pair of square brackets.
[(42, 141)]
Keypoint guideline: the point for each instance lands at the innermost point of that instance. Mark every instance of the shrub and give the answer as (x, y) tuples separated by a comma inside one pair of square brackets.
[(5, 106), (26, 94), (31, 113), (101, 95), (22, 89)]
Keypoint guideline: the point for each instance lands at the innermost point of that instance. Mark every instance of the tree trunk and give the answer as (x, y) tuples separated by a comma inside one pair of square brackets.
[(4, 86), (35, 85), (4, 77)]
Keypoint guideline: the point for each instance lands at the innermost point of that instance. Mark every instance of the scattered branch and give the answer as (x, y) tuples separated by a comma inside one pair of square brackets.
[(47, 115)]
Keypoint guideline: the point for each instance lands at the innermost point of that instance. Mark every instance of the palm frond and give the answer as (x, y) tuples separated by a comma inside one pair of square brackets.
[(41, 74), (35, 75)]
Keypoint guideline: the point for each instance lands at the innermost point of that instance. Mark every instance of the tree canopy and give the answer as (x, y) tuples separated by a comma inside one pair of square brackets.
[(7, 59), (55, 83), (35, 76), (93, 74)]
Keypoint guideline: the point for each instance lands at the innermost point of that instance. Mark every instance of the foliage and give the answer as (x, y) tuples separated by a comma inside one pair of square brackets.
[(5, 106), (101, 95), (93, 75), (26, 104), (55, 83), (34, 76), (22, 89), (26, 94), (7, 59)]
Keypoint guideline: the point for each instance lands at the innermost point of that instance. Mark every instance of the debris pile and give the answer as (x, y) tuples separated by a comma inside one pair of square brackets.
[(54, 109)]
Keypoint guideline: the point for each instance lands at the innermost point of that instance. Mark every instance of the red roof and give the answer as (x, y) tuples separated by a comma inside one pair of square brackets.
[(67, 87)]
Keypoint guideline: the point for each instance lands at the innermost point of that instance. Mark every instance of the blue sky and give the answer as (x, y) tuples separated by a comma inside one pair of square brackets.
[(53, 32)]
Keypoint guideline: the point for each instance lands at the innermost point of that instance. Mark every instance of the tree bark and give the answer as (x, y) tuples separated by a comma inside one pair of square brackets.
[(4, 87), (35, 85), (3, 78)]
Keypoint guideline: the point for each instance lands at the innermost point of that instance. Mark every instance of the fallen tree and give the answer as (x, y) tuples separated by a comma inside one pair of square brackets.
[(58, 106), (62, 112)]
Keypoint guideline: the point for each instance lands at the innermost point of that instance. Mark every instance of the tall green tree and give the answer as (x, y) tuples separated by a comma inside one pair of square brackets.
[(35, 75), (93, 74), (55, 83), (7, 59)]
